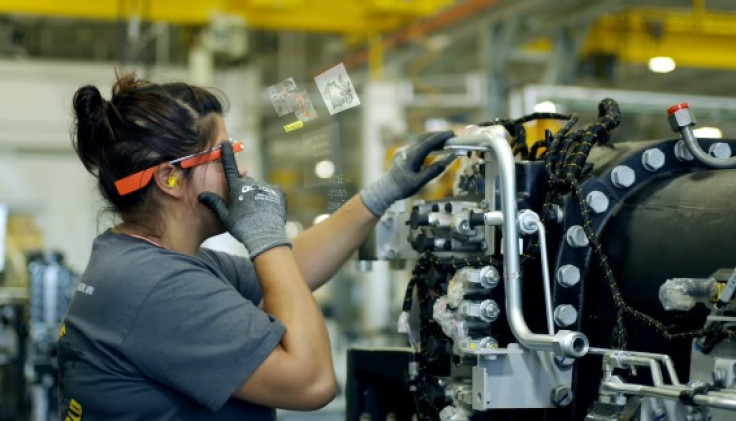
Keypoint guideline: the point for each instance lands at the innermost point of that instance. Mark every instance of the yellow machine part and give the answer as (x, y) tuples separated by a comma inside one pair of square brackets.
[(347, 16)]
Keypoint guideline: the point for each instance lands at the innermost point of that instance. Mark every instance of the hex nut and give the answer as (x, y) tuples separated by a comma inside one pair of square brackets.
[(568, 276), (653, 159), (576, 237), (623, 176), (720, 150), (598, 201)]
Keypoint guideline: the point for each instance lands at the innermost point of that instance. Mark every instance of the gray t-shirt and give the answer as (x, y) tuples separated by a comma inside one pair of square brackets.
[(155, 334)]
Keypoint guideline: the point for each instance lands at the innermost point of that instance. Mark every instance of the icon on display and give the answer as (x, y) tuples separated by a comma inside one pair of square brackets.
[(337, 90)]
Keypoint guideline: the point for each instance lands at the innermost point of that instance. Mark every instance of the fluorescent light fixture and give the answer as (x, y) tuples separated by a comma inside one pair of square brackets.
[(320, 218), (661, 64), (324, 169), (709, 132), (545, 107)]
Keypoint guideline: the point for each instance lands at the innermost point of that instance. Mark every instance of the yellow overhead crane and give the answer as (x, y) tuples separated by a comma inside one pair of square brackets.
[(337, 16), (693, 38)]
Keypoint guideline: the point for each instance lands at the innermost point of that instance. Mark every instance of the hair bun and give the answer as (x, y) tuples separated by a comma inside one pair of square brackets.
[(92, 131)]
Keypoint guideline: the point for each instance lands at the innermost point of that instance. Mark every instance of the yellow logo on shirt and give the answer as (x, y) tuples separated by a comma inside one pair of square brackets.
[(62, 330), (75, 411)]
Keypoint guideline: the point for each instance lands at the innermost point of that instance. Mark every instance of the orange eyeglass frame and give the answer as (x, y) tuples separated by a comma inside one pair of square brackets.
[(137, 181)]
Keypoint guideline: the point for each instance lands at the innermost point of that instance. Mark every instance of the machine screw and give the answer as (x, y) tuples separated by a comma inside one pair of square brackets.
[(720, 150), (390, 253), (576, 237), (465, 225), (682, 153), (660, 414), (561, 396), (565, 315), (653, 159), (568, 275), (598, 201), (623, 176)]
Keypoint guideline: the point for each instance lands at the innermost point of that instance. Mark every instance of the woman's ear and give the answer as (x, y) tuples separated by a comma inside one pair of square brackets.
[(169, 180)]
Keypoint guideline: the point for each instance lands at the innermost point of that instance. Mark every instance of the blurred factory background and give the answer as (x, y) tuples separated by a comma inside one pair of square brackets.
[(408, 66)]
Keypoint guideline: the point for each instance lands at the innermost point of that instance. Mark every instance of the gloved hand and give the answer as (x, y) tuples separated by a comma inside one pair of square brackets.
[(255, 213), (405, 176)]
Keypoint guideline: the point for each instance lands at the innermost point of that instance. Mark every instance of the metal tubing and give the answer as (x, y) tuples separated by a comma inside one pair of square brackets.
[(545, 274), (494, 143), (663, 358), (669, 393), (692, 145)]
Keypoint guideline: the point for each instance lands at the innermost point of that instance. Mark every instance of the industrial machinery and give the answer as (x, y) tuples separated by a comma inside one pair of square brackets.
[(566, 279)]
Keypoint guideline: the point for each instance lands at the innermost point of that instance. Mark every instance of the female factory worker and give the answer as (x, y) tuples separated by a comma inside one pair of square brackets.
[(161, 329)]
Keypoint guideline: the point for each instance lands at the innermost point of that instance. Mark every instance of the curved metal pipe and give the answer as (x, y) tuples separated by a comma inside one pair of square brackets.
[(492, 141), (692, 145)]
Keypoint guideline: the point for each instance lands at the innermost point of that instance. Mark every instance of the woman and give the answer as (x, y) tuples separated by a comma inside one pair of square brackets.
[(161, 329)]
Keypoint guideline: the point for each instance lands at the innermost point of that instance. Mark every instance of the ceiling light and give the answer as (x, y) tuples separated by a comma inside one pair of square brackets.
[(545, 107), (661, 64), (324, 169), (320, 218), (709, 132), (293, 228)]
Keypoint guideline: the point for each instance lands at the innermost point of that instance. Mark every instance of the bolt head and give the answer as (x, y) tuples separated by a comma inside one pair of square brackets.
[(561, 396), (653, 159), (576, 237), (565, 315), (720, 150), (623, 176), (598, 201), (568, 275)]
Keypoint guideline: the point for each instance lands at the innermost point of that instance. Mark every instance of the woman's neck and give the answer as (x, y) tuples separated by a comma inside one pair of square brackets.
[(171, 236)]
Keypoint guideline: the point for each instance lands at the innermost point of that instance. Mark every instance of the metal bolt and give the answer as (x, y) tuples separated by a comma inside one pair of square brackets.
[(488, 343), (623, 176), (568, 275), (489, 310), (527, 219), (564, 362), (561, 396), (598, 201), (484, 204), (653, 159), (565, 315), (576, 236), (557, 209), (660, 414), (465, 225), (682, 153), (390, 253), (489, 277), (720, 150)]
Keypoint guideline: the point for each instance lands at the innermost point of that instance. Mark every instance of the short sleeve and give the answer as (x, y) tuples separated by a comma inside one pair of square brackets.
[(196, 334), (238, 270)]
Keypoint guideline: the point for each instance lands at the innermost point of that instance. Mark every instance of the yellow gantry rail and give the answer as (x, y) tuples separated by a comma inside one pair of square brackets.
[(337, 16), (694, 38)]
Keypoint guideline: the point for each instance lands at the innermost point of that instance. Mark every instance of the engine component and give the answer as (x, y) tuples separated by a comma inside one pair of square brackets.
[(618, 220)]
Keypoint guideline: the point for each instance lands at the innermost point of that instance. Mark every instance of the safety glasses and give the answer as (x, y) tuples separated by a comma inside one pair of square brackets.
[(141, 179)]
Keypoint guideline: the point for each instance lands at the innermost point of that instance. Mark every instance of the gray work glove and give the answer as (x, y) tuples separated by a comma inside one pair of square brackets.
[(255, 213), (406, 176)]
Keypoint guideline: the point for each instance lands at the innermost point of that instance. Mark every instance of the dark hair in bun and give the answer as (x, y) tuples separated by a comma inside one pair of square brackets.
[(142, 125)]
